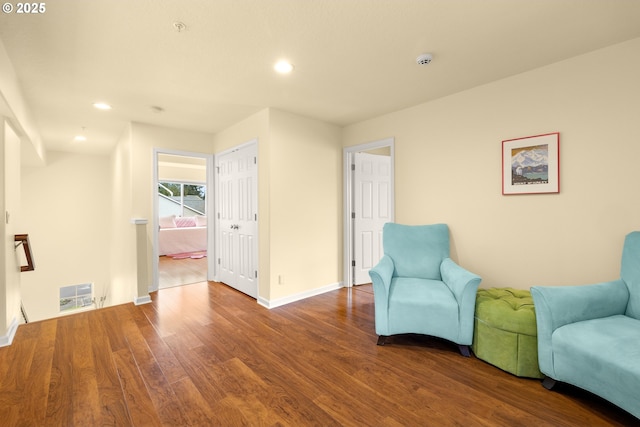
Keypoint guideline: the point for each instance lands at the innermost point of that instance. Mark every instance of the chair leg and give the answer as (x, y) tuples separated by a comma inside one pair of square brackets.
[(382, 340), (548, 383), (464, 350)]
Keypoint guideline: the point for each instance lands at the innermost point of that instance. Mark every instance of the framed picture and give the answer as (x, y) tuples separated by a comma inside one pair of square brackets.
[(531, 165)]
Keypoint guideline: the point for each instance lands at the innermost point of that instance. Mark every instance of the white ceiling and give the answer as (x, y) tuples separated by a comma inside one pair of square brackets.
[(354, 59)]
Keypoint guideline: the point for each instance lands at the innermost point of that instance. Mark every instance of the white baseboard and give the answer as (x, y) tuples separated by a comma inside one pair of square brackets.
[(299, 296), (6, 340), (142, 300)]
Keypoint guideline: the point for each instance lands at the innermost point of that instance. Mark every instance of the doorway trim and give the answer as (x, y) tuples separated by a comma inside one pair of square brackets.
[(155, 283), (348, 154)]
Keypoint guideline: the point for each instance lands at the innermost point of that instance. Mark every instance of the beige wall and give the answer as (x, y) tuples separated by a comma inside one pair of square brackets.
[(144, 139), (255, 127), (448, 169), (123, 235), (32, 149), (67, 214), (10, 204), (299, 201), (448, 162), (306, 203), (78, 211), (19, 143), (180, 169)]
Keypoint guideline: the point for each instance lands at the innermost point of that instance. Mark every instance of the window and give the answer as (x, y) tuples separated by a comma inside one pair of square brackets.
[(76, 296), (182, 199)]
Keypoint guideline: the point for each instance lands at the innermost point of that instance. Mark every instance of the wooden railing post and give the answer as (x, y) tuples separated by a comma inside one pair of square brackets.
[(142, 276)]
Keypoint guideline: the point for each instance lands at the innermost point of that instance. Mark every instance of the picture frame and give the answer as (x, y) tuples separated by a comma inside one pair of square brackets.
[(531, 165)]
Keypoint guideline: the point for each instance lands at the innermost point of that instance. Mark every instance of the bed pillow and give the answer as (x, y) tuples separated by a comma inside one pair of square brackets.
[(185, 221), (168, 221), (201, 221)]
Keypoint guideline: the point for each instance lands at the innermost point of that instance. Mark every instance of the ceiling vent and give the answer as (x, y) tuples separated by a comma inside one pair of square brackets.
[(424, 59)]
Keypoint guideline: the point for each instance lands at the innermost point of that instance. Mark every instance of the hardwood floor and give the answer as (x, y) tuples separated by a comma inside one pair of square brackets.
[(206, 355), (177, 272)]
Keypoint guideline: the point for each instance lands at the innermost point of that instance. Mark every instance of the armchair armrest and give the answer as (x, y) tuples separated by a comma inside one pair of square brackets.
[(464, 286), (557, 306), (381, 276), (461, 282), (382, 273)]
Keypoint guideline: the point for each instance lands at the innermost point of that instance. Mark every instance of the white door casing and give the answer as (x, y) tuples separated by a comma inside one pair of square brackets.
[(237, 217), (372, 209)]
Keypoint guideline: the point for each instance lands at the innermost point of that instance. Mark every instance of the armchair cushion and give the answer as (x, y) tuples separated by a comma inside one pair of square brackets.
[(416, 250), (431, 301), (601, 355)]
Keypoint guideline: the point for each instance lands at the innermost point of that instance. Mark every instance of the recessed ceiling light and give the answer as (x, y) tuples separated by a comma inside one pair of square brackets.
[(102, 106), (283, 66)]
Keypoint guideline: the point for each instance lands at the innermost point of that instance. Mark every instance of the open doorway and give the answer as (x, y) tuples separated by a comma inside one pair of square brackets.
[(182, 204), (369, 203)]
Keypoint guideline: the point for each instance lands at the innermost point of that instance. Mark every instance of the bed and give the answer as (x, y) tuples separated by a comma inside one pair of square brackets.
[(180, 235)]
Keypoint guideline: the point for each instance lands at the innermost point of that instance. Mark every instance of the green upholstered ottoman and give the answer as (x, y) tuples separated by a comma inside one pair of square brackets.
[(505, 332)]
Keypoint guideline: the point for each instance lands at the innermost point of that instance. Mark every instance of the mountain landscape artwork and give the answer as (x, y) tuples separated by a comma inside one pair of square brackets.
[(530, 165)]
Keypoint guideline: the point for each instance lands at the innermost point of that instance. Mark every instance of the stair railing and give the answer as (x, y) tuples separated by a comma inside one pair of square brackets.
[(23, 239)]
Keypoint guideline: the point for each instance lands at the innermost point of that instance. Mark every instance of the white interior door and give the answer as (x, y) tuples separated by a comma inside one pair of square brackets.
[(372, 209), (237, 206)]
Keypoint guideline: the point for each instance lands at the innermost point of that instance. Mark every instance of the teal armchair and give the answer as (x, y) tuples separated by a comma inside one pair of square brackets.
[(418, 289), (589, 335)]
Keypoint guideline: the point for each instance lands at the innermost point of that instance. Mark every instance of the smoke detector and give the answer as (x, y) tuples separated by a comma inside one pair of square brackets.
[(179, 26), (424, 59)]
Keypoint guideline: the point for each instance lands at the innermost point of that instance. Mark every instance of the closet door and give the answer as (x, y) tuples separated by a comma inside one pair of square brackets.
[(237, 175)]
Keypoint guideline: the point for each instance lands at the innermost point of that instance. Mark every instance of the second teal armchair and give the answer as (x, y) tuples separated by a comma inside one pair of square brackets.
[(589, 335), (419, 289)]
